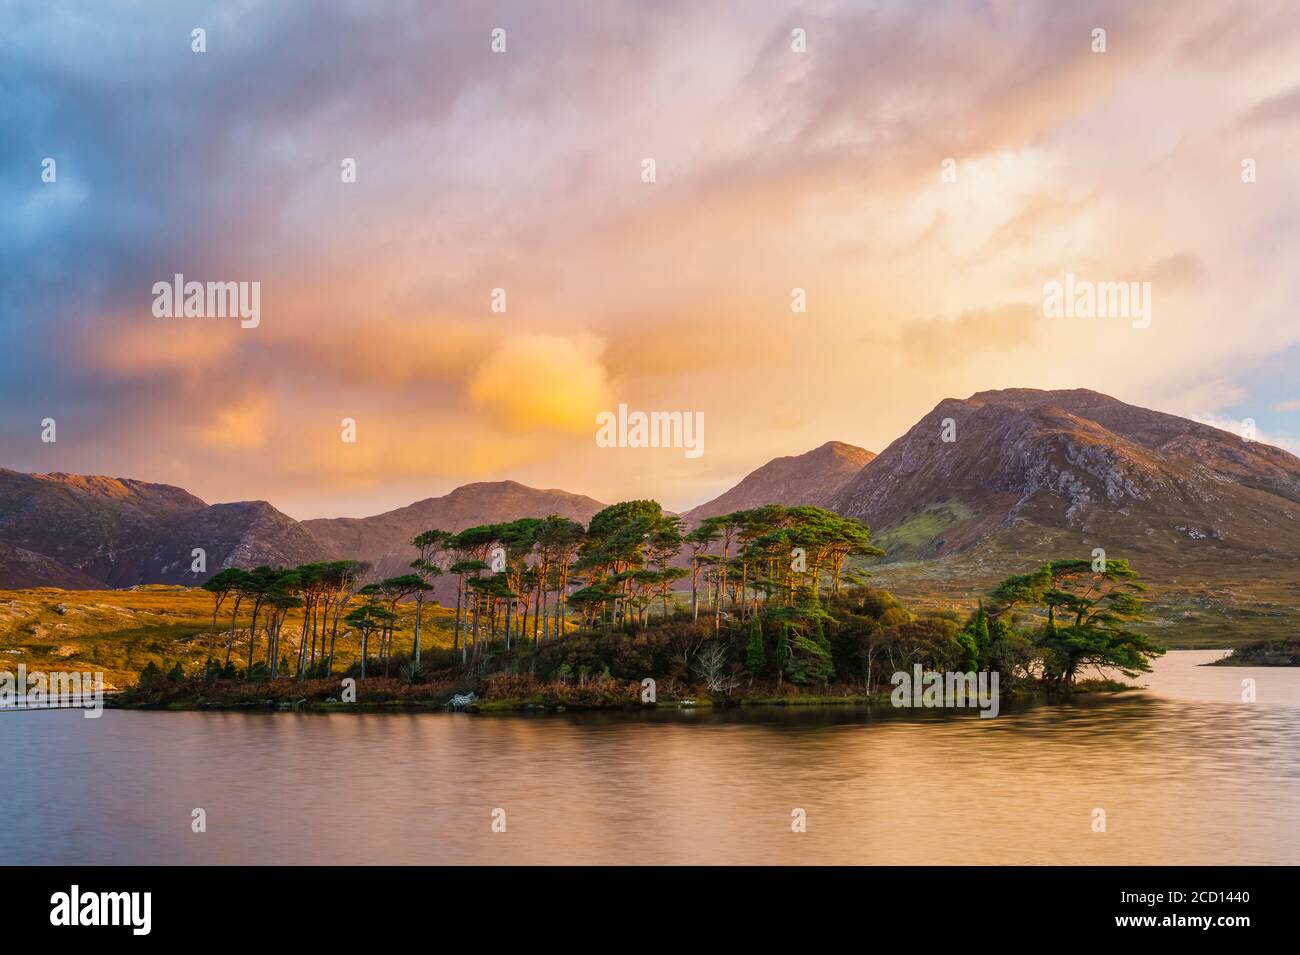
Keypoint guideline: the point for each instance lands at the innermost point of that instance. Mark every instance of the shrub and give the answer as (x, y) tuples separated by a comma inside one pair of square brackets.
[(150, 676), (596, 691), (810, 662)]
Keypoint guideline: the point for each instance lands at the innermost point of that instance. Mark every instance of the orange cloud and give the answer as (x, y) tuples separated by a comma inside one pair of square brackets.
[(537, 380), (237, 427)]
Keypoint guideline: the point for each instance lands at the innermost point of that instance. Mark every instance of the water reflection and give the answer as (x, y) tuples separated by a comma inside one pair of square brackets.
[(1185, 772)]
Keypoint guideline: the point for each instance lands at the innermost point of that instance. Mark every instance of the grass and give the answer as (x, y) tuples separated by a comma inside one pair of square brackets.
[(118, 632), (1285, 652), (1202, 603), (919, 530)]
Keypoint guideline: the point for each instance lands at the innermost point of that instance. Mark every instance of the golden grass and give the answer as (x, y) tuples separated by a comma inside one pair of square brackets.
[(119, 631)]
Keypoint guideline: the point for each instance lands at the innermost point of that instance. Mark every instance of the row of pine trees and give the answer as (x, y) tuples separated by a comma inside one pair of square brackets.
[(535, 579)]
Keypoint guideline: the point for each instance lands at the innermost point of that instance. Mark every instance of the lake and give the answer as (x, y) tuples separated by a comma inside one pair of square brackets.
[(1185, 772)]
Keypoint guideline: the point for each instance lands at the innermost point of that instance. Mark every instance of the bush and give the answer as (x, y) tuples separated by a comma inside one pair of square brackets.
[(150, 676), (596, 691), (657, 651), (930, 643), (810, 662), (259, 673), (754, 655)]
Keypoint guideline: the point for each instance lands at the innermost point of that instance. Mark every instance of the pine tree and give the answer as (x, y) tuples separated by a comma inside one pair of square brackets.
[(754, 656), (983, 641), (782, 651), (810, 662)]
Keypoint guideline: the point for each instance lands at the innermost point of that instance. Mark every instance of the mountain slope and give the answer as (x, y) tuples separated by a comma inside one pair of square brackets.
[(86, 524), (1031, 475), (811, 478), (1033, 469), (243, 534), (384, 540), (65, 530), (79, 532), (21, 568)]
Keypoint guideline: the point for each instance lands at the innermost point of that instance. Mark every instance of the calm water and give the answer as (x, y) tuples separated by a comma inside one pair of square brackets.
[(1185, 772)]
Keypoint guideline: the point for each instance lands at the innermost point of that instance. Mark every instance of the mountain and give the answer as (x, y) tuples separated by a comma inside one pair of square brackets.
[(85, 524), (243, 534), (82, 532), (1030, 475), (1032, 470), (78, 532), (21, 568), (385, 539), (811, 478)]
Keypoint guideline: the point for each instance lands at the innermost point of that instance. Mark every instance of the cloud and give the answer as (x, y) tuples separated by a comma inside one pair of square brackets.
[(969, 336), (1281, 109), (1204, 399), (166, 348), (238, 427), (776, 170), (539, 381), (1237, 425), (1179, 269)]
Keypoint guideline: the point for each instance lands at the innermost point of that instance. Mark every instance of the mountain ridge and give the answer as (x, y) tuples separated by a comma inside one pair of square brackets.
[(1028, 471), (384, 539), (809, 478), (1077, 462)]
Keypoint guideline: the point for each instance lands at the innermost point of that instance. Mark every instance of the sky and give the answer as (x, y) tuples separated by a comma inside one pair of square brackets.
[(919, 170)]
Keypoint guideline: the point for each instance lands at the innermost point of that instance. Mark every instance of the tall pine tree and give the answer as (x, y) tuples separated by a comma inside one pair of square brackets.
[(754, 655)]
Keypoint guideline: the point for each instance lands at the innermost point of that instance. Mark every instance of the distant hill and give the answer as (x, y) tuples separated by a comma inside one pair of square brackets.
[(76, 532), (811, 478), (1049, 466), (21, 568), (82, 532), (384, 540), (243, 534), (1031, 475), (93, 526)]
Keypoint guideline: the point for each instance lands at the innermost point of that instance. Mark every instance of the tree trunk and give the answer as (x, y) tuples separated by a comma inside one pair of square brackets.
[(302, 640), (510, 605), (455, 643), (252, 636), (474, 626), (695, 600), (212, 634), (419, 612), (334, 633), (230, 643)]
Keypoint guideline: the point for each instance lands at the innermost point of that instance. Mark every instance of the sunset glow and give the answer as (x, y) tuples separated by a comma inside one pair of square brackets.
[(523, 172)]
